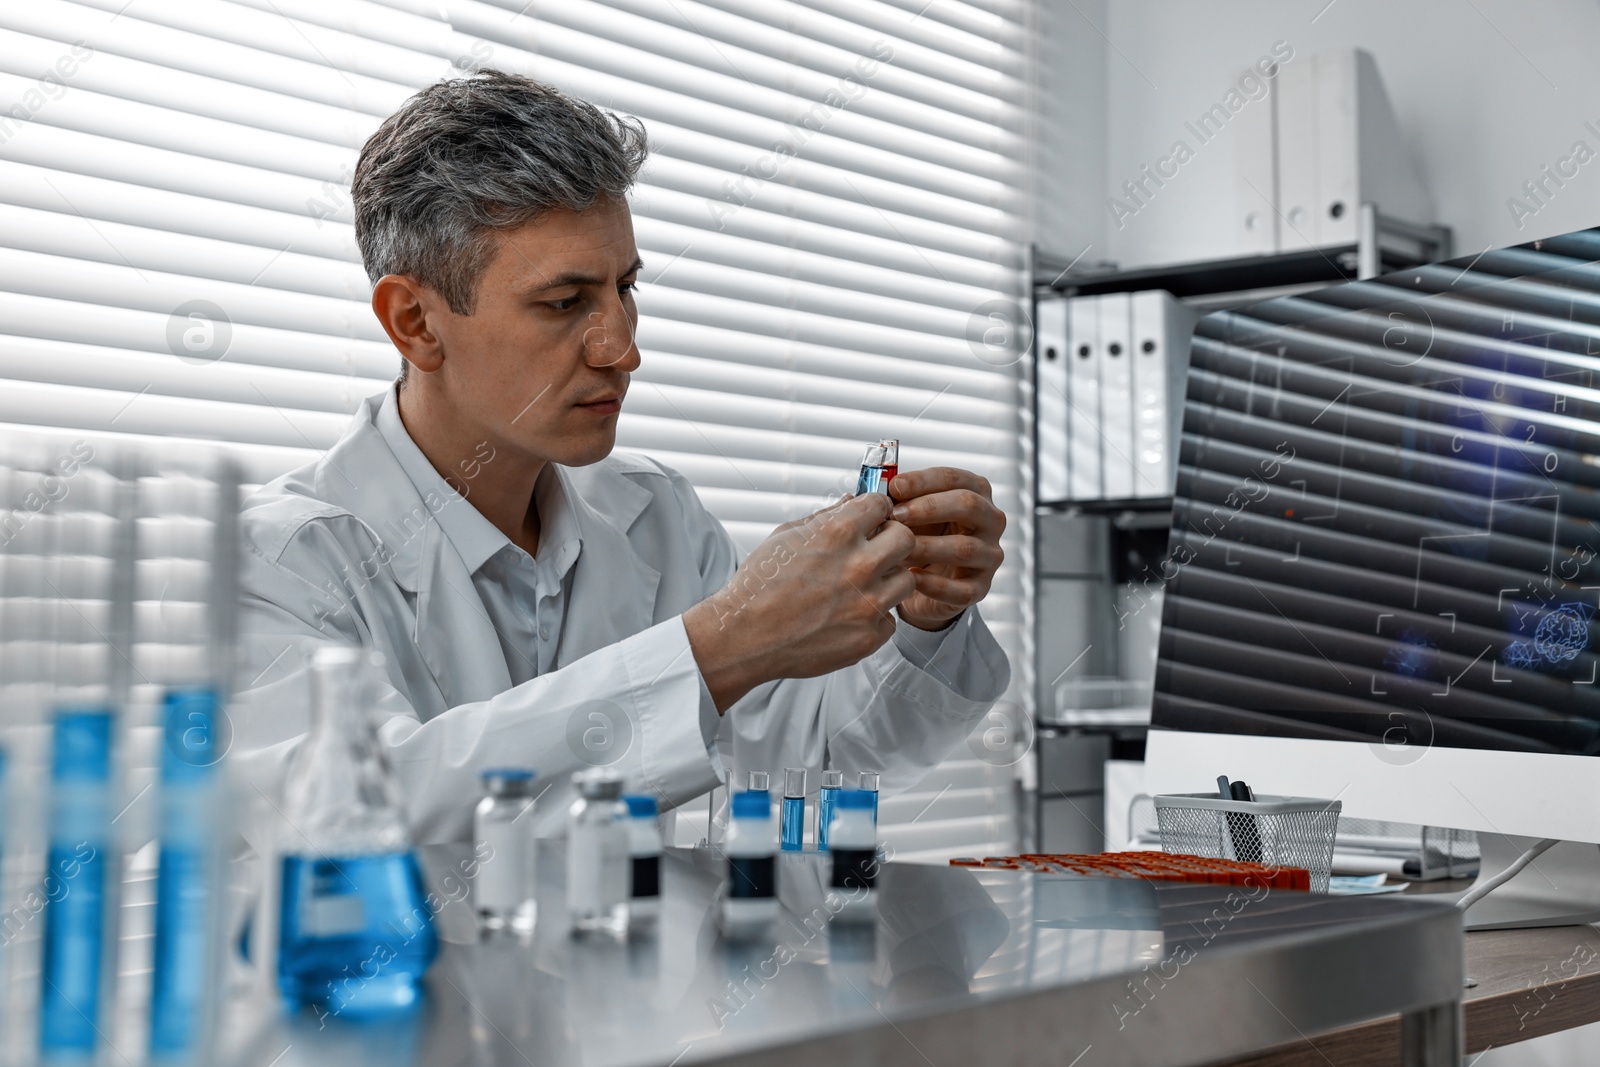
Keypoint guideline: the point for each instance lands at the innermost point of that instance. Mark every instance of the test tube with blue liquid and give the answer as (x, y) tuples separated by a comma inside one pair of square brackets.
[(77, 970), (761, 782), (792, 822), (75, 961), (878, 467), (189, 873), (869, 785), (832, 782)]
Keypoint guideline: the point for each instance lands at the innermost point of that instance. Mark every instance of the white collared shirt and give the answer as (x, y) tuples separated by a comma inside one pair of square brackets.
[(525, 596)]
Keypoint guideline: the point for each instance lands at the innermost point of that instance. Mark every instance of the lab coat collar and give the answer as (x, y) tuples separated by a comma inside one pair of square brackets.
[(362, 474), (612, 585), (475, 538)]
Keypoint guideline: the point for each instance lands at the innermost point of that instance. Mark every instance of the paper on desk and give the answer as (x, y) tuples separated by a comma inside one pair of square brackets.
[(1353, 884)]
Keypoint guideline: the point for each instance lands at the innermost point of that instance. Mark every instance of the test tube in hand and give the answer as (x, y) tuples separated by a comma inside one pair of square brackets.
[(880, 464)]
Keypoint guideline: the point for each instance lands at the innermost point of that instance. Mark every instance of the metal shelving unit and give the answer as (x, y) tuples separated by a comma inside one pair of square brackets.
[(1385, 244)]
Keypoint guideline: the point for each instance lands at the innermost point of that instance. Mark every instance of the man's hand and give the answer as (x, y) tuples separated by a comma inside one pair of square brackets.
[(816, 596), (957, 551)]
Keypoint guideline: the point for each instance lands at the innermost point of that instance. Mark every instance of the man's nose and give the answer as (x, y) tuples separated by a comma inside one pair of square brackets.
[(608, 339)]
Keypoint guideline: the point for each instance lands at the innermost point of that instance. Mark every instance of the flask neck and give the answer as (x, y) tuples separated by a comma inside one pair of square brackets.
[(339, 695), (340, 797)]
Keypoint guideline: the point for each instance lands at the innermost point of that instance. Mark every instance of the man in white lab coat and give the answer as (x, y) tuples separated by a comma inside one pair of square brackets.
[(541, 600)]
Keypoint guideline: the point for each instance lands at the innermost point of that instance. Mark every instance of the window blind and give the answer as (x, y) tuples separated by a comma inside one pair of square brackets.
[(829, 223)]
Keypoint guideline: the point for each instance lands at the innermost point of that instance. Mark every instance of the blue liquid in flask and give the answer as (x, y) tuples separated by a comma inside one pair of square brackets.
[(355, 933)]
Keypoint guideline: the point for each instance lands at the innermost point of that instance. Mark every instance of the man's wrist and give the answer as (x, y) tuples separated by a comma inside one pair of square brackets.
[(727, 672), (931, 626)]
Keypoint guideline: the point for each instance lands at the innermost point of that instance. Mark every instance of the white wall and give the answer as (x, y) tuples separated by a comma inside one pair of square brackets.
[(1486, 92), (1069, 135)]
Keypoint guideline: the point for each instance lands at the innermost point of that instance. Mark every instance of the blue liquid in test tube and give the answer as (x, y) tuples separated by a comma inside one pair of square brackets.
[(832, 782), (185, 875), (792, 827), (75, 883), (761, 783)]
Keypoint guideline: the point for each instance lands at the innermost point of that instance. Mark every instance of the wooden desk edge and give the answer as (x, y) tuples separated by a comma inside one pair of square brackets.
[(1530, 983)]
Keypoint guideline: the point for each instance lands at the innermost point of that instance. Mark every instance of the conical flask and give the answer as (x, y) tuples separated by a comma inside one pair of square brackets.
[(355, 930)]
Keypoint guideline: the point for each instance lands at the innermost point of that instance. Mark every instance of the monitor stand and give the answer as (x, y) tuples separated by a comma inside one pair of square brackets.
[(1559, 888)]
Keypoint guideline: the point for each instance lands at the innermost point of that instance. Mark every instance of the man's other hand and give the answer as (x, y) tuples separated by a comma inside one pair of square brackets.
[(951, 512)]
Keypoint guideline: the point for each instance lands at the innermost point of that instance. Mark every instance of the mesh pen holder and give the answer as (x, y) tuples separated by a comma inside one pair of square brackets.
[(1276, 831)]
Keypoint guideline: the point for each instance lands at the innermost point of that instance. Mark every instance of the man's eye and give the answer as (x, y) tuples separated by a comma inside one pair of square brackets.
[(564, 305), (628, 287)]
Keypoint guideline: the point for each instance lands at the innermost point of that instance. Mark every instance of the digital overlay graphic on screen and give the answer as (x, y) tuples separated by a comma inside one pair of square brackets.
[(1387, 525)]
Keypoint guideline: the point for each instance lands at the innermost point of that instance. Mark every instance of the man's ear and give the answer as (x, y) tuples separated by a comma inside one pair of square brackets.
[(407, 309)]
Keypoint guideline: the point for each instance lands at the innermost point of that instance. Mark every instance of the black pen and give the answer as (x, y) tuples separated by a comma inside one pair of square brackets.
[(1250, 851)]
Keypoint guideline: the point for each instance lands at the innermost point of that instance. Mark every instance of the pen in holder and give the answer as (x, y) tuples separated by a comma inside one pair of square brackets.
[(1246, 834), (1271, 830)]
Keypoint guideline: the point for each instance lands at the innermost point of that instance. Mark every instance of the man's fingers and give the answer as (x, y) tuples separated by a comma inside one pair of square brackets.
[(890, 546), (899, 586), (907, 485), (885, 592), (958, 550), (956, 592), (962, 506), (862, 514)]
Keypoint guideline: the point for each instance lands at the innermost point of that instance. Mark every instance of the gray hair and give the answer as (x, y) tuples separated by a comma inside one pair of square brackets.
[(469, 156)]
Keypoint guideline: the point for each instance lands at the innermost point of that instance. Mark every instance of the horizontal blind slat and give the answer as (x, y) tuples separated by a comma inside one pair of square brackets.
[(104, 199)]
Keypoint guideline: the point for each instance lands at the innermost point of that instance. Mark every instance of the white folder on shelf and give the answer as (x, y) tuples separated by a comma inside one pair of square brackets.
[(1256, 145), (1299, 156), (1152, 455), (1116, 397), (1051, 356), (1083, 399)]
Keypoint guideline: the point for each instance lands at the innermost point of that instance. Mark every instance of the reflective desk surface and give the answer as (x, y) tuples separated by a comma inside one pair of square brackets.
[(960, 967)]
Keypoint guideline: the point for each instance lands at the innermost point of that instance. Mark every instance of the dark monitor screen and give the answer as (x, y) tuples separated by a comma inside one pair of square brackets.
[(1386, 516)]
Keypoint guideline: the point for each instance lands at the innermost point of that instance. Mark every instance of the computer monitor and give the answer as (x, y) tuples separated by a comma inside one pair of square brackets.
[(1384, 567)]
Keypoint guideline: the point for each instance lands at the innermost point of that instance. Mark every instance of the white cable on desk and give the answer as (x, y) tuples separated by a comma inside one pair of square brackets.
[(1479, 892)]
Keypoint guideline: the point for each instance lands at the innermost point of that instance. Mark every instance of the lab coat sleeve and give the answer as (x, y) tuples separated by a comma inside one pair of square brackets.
[(620, 705), (900, 711)]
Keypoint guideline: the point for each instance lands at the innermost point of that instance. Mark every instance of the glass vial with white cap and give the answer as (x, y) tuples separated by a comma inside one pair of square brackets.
[(597, 854), (502, 825), (644, 859), (853, 851), (792, 820), (750, 899)]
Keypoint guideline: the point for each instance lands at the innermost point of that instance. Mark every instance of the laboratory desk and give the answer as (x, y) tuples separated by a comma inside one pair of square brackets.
[(961, 967), (1521, 984)]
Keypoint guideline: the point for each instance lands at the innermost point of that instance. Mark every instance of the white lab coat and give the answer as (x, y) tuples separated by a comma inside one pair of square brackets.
[(344, 550)]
